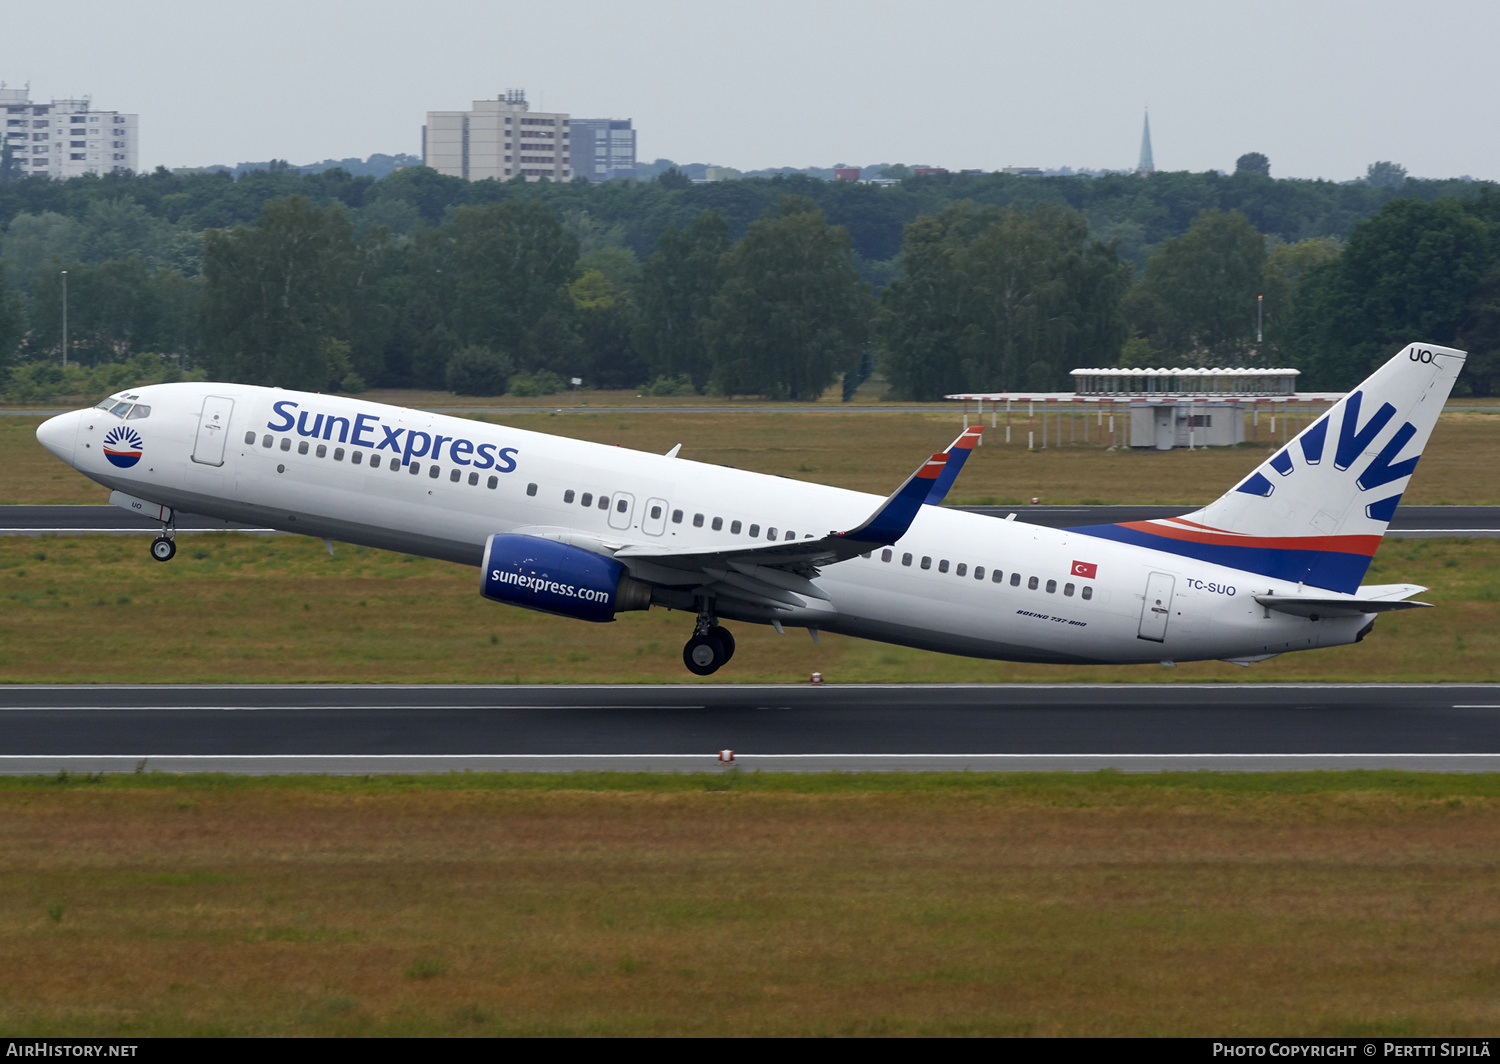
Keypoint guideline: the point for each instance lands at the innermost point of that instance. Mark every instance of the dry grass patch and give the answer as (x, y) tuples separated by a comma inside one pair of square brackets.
[(1038, 905)]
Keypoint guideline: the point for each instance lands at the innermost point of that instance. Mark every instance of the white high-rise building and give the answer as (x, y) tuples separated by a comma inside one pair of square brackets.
[(67, 138), (500, 139)]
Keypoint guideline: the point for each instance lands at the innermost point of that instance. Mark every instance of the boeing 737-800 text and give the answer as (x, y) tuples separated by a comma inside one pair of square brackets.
[(589, 531)]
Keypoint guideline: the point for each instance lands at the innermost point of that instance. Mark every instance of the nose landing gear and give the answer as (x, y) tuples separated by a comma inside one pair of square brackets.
[(164, 546), (711, 646)]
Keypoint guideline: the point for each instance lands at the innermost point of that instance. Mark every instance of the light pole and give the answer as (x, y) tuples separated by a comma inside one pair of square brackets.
[(65, 317), (1260, 316)]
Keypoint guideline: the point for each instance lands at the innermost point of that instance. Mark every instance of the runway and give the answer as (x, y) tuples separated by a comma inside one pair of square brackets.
[(1409, 522), (686, 727)]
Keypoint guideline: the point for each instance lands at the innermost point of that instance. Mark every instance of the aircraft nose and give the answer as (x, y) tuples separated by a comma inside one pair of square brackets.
[(60, 434)]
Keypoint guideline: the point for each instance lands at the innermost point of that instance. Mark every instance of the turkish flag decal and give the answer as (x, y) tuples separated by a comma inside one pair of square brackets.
[(1087, 570)]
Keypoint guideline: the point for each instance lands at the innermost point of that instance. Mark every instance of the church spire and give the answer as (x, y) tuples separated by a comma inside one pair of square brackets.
[(1147, 165)]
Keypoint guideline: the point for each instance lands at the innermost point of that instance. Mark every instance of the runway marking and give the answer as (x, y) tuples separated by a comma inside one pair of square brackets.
[(362, 706), (1476, 707), (738, 756)]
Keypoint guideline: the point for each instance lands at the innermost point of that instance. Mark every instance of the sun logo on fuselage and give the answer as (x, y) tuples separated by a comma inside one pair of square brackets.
[(122, 446)]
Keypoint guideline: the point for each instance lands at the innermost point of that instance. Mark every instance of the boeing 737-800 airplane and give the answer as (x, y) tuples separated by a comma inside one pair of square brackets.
[(588, 531)]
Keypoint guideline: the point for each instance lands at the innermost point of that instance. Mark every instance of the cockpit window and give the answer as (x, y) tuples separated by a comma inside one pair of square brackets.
[(139, 410), (105, 404), (120, 409)]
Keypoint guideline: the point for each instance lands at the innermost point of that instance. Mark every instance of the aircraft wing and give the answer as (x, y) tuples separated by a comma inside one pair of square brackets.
[(958, 453), (787, 566)]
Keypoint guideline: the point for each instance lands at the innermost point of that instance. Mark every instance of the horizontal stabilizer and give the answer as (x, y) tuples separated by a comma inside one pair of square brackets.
[(1316, 608), (958, 453)]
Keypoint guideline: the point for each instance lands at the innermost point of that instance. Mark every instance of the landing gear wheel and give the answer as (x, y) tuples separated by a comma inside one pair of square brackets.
[(703, 655), (163, 549), (725, 638)]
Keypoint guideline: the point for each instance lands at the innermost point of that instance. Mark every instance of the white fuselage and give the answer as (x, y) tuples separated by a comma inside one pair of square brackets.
[(446, 508)]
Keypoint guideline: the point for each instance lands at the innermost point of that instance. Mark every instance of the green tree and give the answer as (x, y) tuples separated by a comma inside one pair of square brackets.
[(479, 371), (116, 310), (1253, 162), (1287, 266), (37, 242), (1202, 289), (275, 293), (512, 264), (12, 321), (1000, 299), (792, 313), (10, 168), (1410, 273), (677, 287), (1385, 175)]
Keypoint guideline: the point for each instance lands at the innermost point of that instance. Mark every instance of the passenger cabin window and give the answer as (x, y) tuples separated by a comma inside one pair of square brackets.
[(492, 483), (374, 461), (718, 524), (771, 533), (414, 468), (395, 465), (454, 475), (677, 518), (473, 479), (754, 531), (322, 451), (568, 495), (621, 506), (266, 440), (301, 446), (906, 559), (734, 528), (926, 561), (961, 569), (1088, 592), (943, 566), (338, 454), (587, 500), (1051, 587), (434, 472), (655, 513), (250, 436), (1032, 584), (356, 457), (604, 502), (697, 520), (789, 534), (978, 572), (286, 443), (885, 555), (1068, 590), (531, 489), (995, 576), (1015, 579)]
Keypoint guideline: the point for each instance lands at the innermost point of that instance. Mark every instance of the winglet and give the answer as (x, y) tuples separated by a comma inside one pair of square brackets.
[(958, 453), (889, 523)]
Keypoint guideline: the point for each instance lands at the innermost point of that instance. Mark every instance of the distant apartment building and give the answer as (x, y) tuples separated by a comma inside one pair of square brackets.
[(67, 138), (501, 139), (603, 148)]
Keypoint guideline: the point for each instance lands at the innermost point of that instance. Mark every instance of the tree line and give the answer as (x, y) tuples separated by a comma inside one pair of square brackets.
[(528, 286)]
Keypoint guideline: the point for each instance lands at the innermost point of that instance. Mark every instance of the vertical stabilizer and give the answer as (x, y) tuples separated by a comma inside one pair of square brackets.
[(1314, 511)]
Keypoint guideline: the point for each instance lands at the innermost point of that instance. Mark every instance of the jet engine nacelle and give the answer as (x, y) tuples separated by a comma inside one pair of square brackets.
[(540, 574)]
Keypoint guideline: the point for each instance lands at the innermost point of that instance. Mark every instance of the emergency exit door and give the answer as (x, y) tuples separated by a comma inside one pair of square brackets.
[(213, 430), (1157, 608)]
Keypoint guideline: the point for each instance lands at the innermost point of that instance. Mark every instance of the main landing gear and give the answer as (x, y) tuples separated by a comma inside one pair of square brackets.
[(712, 645)]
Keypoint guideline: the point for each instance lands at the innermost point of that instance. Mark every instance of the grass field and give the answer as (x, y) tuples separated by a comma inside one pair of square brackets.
[(875, 451), (1350, 904), (237, 608)]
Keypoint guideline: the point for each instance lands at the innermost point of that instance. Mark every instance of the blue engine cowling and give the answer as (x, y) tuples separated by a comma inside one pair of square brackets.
[(540, 574)]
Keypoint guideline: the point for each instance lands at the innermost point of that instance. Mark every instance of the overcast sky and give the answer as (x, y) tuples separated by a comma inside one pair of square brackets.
[(1322, 88)]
